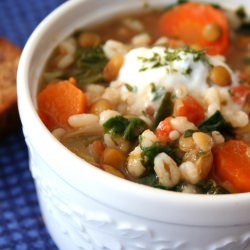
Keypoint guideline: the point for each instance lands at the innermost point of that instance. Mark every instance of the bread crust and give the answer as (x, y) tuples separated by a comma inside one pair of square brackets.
[(9, 58)]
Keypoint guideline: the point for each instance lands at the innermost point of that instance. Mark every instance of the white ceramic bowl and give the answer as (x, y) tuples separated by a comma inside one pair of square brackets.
[(86, 208)]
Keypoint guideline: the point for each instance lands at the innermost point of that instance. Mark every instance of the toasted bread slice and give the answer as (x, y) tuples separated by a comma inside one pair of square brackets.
[(9, 58)]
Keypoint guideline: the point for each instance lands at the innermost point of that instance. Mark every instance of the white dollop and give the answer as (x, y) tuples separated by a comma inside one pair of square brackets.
[(153, 71), (140, 70)]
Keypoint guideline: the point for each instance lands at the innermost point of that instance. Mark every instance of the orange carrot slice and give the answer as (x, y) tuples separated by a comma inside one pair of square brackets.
[(232, 164), (187, 22), (240, 93), (164, 129), (57, 101), (190, 108), (241, 96)]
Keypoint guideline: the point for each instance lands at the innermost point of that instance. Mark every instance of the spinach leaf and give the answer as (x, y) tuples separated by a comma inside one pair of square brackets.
[(134, 128), (165, 109), (189, 133), (203, 187), (216, 6), (210, 187), (246, 60), (129, 129), (244, 28), (241, 12), (116, 125), (218, 123), (151, 152), (171, 6), (150, 180), (90, 63), (182, 1)]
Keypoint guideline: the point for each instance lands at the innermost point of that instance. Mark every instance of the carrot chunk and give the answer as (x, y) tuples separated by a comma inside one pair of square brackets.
[(232, 164), (164, 129), (189, 107), (241, 96), (240, 93), (56, 102), (188, 21)]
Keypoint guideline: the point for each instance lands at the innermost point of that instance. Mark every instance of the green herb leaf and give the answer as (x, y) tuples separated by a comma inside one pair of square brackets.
[(134, 128), (244, 28), (189, 133), (218, 123), (170, 56), (116, 125), (210, 187), (151, 152), (178, 2), (246, 60), (90, 56), (129, 129), (128, 87), (216, 5), (90, 63), (165, 109), (188, 71), (241, 12), (150, 180), (153, 87)]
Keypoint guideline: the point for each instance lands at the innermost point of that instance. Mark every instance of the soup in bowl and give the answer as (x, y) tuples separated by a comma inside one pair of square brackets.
[(136, 117)]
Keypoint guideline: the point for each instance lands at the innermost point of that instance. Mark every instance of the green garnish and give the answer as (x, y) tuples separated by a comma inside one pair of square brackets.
[(246, 60), (150, 180), (210, 187), (90, 63), (241, 12), (135, 127), (116, 125), (153, 87), (165, 109), (151, 152), (216, 5), (189, 133), (188, 71), (156, 93), (170, 56), (217, 123), (129, 129), (128, 87), (245, 28), (178, 2), (203, 187), (214, 123)]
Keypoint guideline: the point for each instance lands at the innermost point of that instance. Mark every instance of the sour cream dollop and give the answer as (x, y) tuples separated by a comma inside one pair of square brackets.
[(168, 68), (148, 73)]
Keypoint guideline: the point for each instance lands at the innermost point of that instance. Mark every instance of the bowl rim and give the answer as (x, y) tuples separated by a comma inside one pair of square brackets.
[(193, 202)]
